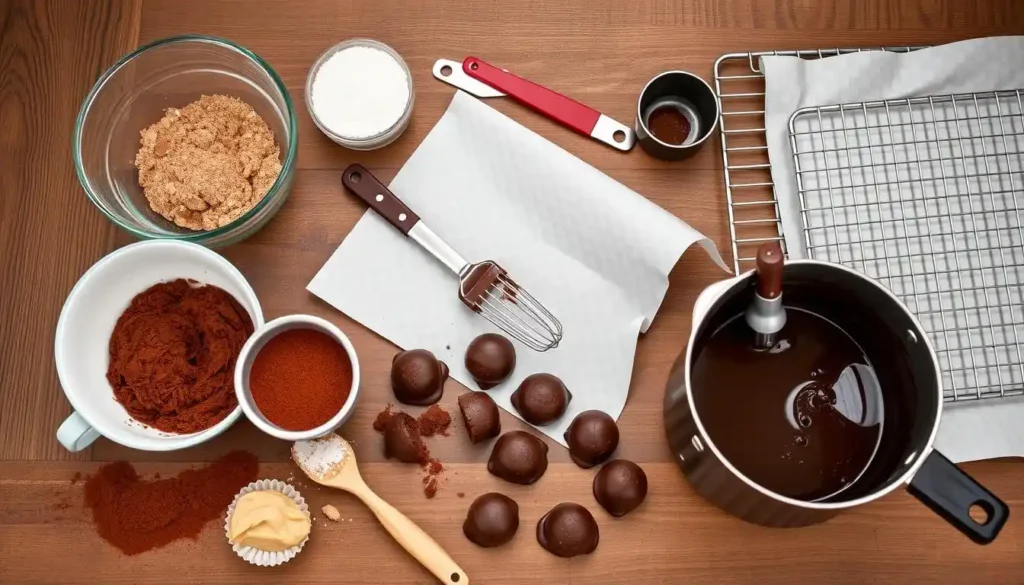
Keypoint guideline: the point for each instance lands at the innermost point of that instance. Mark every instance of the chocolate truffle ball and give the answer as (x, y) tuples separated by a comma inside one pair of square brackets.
[(620, 486), (480, 415), (592, 438), (518, 457), (568, 530), (490, 359), (402, 439), (492, 520), (541, 399), (417, 377)]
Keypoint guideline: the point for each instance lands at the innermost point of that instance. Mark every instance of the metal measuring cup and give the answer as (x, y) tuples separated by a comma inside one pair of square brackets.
[(689, 100)]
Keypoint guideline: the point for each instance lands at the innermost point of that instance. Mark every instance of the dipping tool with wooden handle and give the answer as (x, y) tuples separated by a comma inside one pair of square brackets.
[(766, 315)]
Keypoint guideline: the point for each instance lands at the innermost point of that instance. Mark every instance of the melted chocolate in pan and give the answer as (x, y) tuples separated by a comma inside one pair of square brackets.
[(803, 419)]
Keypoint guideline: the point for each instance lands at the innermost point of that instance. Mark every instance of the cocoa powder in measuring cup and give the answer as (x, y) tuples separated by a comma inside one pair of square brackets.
[(669, 125), (172, 355)]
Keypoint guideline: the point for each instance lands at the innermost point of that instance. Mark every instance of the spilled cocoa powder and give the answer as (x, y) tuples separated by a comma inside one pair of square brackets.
[(136, 515), (433, 421), (383, 419)]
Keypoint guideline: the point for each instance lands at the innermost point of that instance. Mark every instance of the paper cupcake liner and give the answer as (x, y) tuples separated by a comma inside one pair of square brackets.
[(266, 558)]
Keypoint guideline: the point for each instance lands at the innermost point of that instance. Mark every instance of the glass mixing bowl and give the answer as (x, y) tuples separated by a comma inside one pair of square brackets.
[(134, 93)]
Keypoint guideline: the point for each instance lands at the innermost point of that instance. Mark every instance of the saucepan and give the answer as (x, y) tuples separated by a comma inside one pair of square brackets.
[(897, 347)]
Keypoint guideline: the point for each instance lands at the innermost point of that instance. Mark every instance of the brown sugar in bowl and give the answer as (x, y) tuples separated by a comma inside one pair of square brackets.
[(248, 356)]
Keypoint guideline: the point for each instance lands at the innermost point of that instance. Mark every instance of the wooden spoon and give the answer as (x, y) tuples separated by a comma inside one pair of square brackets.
[(330, 461)]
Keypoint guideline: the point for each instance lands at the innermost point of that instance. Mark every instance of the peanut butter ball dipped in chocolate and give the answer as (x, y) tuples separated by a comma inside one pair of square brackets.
[(492, 520), (568, 530), (480, 415), (490, 359), (402, 439), (417, 377), (541, 399), (620, 486), (592, 438), (518, 457)]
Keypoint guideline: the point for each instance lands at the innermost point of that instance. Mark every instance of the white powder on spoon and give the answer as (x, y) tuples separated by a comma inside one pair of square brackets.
[(321, 458), (360, 92)]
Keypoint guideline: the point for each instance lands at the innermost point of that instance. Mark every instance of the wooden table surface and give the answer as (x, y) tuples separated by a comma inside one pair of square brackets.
[(598, 51)]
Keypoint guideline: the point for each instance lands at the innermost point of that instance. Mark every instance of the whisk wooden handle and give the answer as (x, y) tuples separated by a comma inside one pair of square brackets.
[(769, 270), (362, 182)]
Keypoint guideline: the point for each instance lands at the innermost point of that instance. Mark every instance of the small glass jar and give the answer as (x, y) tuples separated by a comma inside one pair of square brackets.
[(375, 141)]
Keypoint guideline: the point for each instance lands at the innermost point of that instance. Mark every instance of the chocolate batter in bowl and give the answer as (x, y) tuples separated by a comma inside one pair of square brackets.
[(856, 374)]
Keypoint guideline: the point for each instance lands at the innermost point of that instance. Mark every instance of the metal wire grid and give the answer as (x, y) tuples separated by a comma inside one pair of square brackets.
[(926, 195), (750, 193)]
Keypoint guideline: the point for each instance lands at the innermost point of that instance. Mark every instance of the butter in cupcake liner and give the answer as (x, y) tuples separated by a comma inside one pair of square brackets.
[(257, 556)]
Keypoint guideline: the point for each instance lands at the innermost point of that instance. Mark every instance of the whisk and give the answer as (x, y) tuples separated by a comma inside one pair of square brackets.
[(484, 287)]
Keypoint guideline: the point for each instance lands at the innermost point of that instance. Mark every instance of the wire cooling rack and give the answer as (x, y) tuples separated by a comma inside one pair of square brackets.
[(979, 346), (926, 195), (750, 194)]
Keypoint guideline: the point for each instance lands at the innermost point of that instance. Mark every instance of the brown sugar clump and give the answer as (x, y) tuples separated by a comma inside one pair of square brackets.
[(207, 164)]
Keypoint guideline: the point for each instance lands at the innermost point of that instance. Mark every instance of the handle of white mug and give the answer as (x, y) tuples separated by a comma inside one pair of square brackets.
[(75, 433)]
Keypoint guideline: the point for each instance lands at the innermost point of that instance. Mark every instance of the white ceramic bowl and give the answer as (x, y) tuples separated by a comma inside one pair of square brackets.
[(81, 347), (253, 347)]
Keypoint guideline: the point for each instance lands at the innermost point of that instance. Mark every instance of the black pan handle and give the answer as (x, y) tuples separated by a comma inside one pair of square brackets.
[(950, 493)]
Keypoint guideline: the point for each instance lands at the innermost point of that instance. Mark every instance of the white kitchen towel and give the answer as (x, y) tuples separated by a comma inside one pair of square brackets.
[(594, 252), (978, 429)]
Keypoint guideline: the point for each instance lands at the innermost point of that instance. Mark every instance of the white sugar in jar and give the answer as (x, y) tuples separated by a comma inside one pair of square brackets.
[(359, 94)]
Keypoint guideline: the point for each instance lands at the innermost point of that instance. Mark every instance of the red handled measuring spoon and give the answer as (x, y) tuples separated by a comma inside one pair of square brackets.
[(482, 79)]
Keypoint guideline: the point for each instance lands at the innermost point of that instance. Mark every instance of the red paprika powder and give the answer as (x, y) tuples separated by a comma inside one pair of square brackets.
[(136, 515), (300, 379)]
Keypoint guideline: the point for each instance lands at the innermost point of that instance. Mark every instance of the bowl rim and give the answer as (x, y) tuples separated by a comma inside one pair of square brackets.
[(287, 165), (162, 443), (248, 354)]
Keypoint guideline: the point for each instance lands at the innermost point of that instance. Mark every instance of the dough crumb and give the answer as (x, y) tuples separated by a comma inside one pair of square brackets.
[(331, 512)]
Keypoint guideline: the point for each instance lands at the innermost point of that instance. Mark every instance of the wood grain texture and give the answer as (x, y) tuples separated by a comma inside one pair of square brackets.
[(50, 55), (675, 537), (600, 52)]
